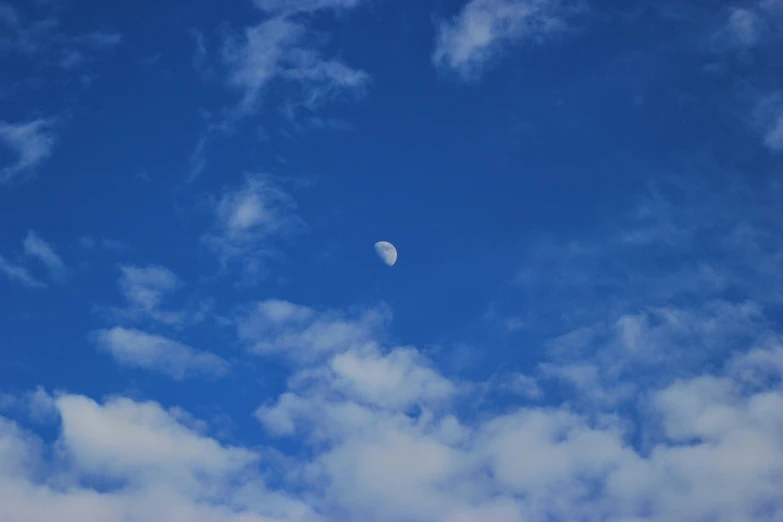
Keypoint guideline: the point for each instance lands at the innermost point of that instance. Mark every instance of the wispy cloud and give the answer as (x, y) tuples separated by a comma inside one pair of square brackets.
[(36, 247), (37, 405), (751, 25), (46, 41), (19, 274), (484, 29), (248, 222), (278, 48), (31, 142), (88, 241), (300, 333), (768, 119), (200, 58), (745, 27), (41, 250), (144, 289), (135, 348)]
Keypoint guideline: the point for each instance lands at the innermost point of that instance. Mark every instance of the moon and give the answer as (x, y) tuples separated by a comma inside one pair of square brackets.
[(386, 252)]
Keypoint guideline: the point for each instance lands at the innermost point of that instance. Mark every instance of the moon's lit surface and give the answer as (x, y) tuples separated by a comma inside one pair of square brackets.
[(386, 252)]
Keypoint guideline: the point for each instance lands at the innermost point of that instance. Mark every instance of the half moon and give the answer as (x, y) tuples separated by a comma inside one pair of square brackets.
[(386, 252)]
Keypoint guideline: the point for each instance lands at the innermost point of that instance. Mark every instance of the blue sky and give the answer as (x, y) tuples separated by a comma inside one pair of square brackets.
[(583, 322)]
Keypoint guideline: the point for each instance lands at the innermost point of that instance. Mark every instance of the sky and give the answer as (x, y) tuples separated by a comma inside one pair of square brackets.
[(583, 323)]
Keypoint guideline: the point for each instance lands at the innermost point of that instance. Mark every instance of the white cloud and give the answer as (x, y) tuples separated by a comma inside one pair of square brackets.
[(303, 334), (40, 405), (134, 348), (129, 440), (32, 143), (37, 405), (157, 470), (711, 445), (36, 247), (561, 464), (746, 27), (199, 60), (19, 274), (521, 384), (395, 380), (248, 221), (484, 29), (773, 132), (752, 25), (45, 40), (277, 48), (145, 288)]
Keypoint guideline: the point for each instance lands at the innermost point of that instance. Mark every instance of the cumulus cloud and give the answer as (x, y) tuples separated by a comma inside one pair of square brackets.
[(249, 220), (377, 462), (710, 443), (163, 470), (31, 142), (135, 348), (484, 29)]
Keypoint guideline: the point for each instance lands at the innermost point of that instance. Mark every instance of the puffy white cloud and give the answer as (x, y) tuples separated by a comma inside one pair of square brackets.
[(135, 348), (395, 380), (483, 29), (376, 460), (140, 442), (720, 437), (156, 469), (710, 444)]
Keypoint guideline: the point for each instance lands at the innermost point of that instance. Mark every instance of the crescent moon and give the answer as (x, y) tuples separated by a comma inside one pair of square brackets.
[(386, 252)]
